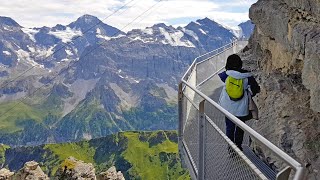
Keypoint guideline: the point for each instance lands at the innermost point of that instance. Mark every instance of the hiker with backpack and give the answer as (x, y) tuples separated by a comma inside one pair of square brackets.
[(235, 96)]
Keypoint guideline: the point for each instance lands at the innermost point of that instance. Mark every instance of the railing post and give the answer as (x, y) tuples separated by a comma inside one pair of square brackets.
[(180, 123), (284, 174), (201, 173), (180, 106), (300, 173)]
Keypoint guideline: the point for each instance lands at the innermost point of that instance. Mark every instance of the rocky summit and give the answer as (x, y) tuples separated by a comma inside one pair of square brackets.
[(6, 174), (70, 169), (31, 170), (111, 174)]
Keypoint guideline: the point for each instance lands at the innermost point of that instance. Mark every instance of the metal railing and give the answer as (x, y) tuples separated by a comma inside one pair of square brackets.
[(204, 147)]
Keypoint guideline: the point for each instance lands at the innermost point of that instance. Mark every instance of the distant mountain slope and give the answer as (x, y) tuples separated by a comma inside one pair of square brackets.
[(138, 155), (247, 29), (86, 81)]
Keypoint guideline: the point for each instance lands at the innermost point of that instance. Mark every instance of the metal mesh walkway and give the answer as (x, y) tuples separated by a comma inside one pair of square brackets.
[(206, 150)]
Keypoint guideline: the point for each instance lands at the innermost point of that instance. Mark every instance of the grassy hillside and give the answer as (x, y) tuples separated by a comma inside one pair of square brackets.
[(139, 155), (3, 149), (13, 121)]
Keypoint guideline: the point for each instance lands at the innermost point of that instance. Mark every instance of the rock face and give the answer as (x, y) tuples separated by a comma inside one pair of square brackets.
[(31, 170), (111, 174), (6, 174), (284, 51), (72, 168)]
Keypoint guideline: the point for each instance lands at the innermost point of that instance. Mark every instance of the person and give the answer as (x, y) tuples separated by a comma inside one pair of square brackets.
[(238, 107)]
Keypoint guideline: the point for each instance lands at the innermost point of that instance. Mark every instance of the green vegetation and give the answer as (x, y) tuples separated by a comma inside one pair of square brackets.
[(3, 149), (159, 161), (164, 117), (12, 121), (79, 150), (139, 155)]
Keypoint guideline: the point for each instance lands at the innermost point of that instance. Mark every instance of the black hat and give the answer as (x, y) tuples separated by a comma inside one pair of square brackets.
[(234, 62)]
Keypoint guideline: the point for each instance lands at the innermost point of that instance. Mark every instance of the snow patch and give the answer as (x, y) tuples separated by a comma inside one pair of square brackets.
[(192, 34), (31, 49), (103, 37), (7, 28), (202, 31), (30, 32), (146, 40), (99, 35), (65, 60), (43, 52), (66, 35), (148, 31), (98, 31), (197, 23), (24, 55), (6, 53), (69, 52), (174, 39), (237, 32)]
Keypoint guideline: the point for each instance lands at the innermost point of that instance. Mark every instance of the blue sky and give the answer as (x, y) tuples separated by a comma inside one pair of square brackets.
[(38, 13)]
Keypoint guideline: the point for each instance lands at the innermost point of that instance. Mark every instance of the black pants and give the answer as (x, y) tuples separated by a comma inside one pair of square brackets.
[(234, 133)]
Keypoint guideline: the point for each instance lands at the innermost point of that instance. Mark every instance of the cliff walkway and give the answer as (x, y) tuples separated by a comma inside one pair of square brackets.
[(203, 144)]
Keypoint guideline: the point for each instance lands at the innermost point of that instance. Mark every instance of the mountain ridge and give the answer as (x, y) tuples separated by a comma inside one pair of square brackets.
[(129, 82)]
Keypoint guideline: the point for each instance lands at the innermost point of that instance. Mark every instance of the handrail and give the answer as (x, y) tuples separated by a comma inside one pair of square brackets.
[(206, 80), (232, 43), (196, 59), (282, 155)]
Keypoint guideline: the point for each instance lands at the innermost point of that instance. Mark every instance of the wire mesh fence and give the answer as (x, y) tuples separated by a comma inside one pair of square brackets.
[(222, 160), (191, 133), (211, 153)]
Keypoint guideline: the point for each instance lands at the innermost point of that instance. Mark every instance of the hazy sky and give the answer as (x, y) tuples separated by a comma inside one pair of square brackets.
[(38, 13)]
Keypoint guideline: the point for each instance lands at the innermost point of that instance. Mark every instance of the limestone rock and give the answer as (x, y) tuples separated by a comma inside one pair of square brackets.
[(284, 53), (72, 169), (111, 174), (6, 174), (31, 171)]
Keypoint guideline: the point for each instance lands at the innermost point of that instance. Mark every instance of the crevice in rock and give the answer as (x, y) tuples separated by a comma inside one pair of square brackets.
[(304, 45)]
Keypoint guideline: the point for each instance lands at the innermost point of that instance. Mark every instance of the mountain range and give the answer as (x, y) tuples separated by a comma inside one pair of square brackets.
[(88, 79)]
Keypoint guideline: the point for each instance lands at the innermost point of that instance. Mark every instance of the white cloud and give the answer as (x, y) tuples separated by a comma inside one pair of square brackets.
[(37, 13)]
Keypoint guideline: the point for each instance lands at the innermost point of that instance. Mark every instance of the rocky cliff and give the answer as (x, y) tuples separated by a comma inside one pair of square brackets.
[(284, 52)]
